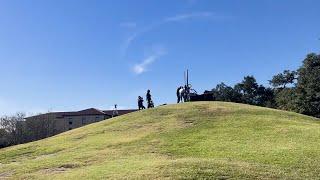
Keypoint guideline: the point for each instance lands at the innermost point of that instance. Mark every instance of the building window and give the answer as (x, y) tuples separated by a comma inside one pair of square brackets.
[(70, 122)]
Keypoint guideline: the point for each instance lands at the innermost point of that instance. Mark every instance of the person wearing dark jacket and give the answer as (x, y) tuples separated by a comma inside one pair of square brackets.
[(149, 99), (140, 103)]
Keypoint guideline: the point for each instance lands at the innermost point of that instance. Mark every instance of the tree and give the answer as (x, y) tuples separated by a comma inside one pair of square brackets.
[(265, 97), (308, 86), (14, 128), (222, 92), (286, 99), (281, 80), (3, 138), (248, 88)]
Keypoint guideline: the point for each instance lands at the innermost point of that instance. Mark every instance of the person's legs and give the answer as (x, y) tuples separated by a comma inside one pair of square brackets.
[(140, 105)]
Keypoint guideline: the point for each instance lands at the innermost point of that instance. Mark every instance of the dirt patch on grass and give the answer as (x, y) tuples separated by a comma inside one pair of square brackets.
[(188, 122), (5, 175), (60, 169), (53, 170), (69, 166)]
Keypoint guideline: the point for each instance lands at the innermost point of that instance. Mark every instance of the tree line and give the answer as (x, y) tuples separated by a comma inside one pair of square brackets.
[(15, 130), (297, 90)]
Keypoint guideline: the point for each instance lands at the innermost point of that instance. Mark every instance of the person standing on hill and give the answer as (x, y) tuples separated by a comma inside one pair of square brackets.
[(149, 99), (140, 103), (179, 94), (186, 93)]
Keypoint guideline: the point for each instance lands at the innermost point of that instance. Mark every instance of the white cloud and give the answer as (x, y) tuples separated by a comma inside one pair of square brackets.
[(143, 66), (172, 19), (182, 17)]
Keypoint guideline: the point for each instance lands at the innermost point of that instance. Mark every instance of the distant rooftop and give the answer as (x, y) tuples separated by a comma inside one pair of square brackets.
[(85, 112)]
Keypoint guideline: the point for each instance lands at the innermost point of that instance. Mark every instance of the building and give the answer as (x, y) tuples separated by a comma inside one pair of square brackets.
[(64, 121)]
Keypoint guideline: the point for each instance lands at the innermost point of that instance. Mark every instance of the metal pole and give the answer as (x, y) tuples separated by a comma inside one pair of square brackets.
[(187, 77), (184, 77)]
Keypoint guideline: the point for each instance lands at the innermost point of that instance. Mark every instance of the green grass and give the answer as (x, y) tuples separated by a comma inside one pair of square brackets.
[(203, 140)]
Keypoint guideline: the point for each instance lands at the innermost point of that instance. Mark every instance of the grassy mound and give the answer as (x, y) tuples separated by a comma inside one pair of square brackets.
[(190, 140)]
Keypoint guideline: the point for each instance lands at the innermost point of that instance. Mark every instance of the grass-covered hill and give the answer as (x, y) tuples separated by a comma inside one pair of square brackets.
[(189, 141)]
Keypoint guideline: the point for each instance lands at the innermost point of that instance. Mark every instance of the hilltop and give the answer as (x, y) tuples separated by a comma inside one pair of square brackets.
[(190, 140)]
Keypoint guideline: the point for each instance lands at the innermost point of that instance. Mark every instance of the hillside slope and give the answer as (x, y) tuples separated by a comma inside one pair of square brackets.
[(190, 140)]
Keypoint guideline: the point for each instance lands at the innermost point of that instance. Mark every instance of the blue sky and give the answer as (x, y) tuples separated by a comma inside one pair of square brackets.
[(61, 55)]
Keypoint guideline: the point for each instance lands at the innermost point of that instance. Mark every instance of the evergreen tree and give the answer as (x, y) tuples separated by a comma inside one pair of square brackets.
[(248, 88), (286, 99), (283, 79), (222, 92), (308, 86), (265, 97)]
